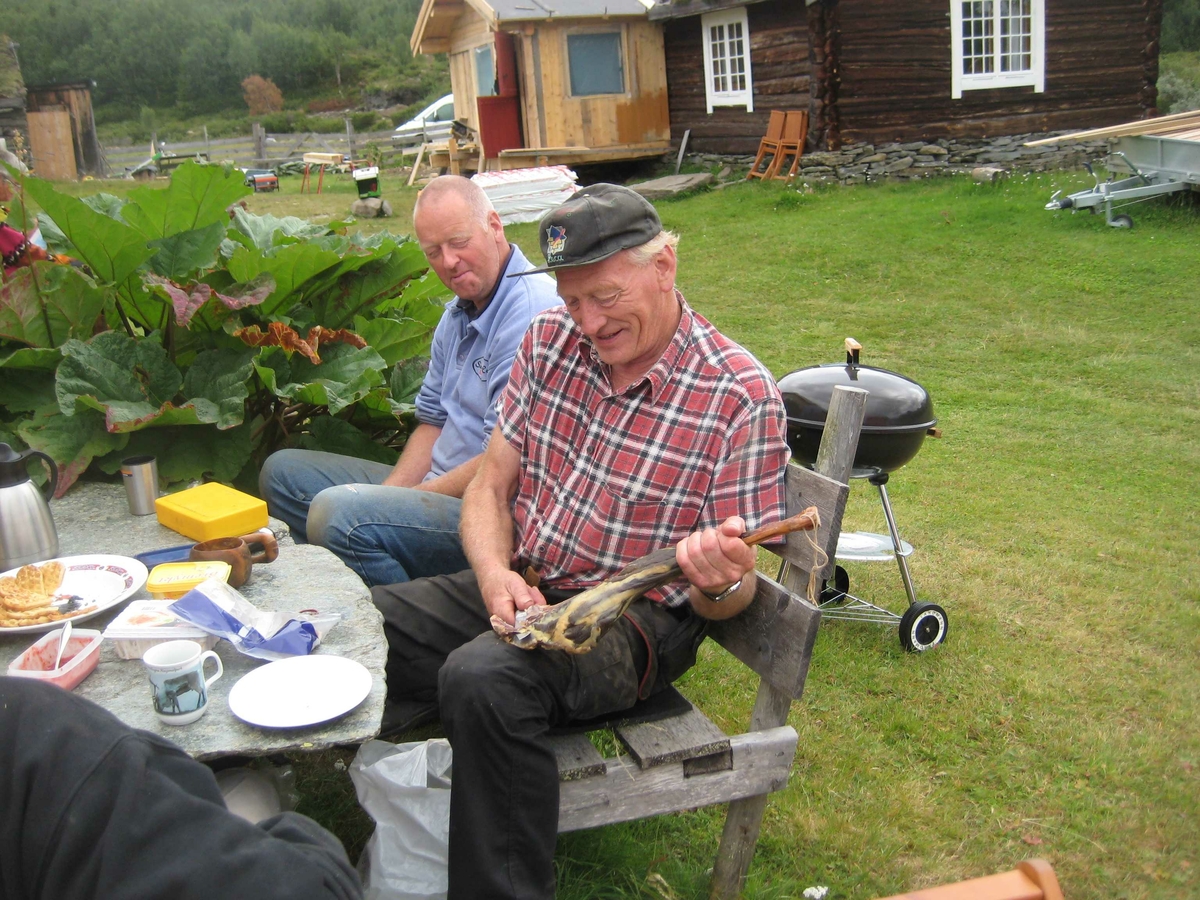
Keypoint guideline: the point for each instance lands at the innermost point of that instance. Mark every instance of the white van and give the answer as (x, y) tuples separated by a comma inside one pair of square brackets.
[(431, 124)]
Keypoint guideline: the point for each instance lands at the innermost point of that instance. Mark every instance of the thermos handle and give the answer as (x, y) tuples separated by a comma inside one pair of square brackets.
[(52, 484)]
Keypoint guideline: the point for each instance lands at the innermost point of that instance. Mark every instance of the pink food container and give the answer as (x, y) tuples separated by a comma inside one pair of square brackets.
[(78, 660)]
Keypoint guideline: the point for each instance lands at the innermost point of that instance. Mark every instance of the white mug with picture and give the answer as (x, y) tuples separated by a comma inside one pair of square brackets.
[(179, 689)]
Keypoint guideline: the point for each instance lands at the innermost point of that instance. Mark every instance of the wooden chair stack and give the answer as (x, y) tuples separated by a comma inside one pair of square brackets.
[(785, 137), (685, 761), (768, 147)]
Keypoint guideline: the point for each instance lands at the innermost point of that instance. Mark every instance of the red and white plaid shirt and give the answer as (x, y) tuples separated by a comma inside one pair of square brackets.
[(606, 478)]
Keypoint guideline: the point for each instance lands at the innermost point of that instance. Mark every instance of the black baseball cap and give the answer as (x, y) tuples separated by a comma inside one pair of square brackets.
[(597, 222)]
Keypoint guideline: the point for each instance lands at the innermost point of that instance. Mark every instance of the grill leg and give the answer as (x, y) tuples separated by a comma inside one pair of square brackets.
[(880, 481)]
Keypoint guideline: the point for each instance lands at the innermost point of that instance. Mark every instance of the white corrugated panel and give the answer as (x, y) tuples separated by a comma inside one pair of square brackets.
[(525, 195)]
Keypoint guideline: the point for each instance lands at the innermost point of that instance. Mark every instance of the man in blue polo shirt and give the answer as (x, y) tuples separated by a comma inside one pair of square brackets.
[(392, 524)]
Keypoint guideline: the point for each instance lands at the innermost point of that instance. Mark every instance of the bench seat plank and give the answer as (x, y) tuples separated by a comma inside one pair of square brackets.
[(577, 757), (761, 763), (672, 740)]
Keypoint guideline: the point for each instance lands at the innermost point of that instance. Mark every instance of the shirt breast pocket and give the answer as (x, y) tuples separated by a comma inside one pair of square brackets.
[(652, 511)]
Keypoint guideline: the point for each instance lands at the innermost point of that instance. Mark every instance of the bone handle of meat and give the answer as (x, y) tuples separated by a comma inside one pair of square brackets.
[(802, 521)]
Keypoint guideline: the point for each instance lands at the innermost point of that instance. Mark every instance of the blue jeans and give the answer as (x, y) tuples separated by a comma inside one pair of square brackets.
[(385, 534)]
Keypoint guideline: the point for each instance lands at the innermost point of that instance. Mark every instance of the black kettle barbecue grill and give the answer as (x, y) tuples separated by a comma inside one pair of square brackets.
[(898, 417)]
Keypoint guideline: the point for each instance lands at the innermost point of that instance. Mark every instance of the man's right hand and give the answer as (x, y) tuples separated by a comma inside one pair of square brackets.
[(505, 592)]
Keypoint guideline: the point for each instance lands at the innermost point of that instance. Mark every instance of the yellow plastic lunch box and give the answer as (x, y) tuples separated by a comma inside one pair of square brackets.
[(211, 511)]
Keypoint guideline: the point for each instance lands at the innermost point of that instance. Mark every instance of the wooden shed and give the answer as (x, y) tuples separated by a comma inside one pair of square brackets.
[(553, 81), (905, 70), (62, 131)]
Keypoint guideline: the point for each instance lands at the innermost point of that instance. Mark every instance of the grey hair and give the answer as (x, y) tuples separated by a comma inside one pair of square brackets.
[(472, 194), (644, 254)]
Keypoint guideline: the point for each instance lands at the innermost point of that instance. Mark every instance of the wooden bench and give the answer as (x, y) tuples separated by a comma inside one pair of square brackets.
[(684, 761), (1033, 879)]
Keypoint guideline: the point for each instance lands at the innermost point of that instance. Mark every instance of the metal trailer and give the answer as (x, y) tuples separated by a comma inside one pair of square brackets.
[(1158, 165)]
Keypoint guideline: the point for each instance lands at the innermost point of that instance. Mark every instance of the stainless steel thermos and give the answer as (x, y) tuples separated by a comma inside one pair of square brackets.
[(27, 533)]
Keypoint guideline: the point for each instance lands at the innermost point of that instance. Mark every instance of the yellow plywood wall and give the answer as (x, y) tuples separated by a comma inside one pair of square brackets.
[(470, 31), (51, 145), (555, 119)]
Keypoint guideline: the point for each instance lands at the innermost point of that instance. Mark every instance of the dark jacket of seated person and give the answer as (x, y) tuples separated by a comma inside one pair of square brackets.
[(93, 808)]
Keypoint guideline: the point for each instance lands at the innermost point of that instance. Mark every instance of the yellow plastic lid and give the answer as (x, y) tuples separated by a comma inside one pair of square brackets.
[(211, 511), (172, 580)]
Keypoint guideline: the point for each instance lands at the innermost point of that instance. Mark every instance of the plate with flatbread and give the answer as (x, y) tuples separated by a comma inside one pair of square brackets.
[(41, 596)]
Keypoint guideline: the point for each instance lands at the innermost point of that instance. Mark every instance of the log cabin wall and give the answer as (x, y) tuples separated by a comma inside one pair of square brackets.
[(893, 72), (780, 71)]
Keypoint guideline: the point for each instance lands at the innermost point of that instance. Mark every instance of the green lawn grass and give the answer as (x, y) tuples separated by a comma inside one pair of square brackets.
[(1056, 522)]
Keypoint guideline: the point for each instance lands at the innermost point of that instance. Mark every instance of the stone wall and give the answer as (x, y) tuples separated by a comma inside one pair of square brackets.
[(859, 163)]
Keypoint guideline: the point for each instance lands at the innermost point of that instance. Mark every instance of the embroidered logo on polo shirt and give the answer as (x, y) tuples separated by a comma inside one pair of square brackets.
[(481, 368), (556, 243)]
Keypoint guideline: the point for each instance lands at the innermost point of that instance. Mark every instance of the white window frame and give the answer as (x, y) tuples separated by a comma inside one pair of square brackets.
[(1035, 75), (724, 19)]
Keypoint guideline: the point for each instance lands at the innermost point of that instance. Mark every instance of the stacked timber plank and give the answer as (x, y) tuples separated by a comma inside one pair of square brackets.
[(1183, 126)]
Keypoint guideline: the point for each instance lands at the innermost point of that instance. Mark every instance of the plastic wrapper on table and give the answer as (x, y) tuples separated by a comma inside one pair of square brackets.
[(406, 789), (215, 607)]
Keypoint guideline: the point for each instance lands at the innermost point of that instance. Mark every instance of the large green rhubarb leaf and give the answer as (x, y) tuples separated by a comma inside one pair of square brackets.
[(346, 374), (290, 267), (215, 386), (196, 198), (71, 441), (47, 304), (111, 250), (395, 340), (131, 382), (40, 358), (381, 280), (265, 232), (178, 255)]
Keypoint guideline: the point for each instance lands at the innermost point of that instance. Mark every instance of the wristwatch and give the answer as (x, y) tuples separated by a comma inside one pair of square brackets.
[(725, 593)]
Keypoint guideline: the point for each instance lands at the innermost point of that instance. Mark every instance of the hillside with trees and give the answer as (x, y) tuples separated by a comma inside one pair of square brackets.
[(159, 60)]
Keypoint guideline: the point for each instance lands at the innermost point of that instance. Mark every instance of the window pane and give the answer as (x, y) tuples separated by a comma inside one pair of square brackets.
[(978, 36), (595, 64), (485, 73), (1016, 27), (716, 37)]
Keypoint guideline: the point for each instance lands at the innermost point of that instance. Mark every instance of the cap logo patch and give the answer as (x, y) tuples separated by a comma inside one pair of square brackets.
[(556, 243)]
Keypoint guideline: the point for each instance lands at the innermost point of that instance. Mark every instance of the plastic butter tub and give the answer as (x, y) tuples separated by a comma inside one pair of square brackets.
[(211, 511), (170, 581), (144, 623)]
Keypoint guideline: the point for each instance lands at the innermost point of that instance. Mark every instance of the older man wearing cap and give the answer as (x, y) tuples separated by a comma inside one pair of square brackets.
[(393, 523), (629, 423)]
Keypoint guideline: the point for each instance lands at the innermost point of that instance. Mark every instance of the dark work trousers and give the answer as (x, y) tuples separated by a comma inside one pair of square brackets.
[(498, 703)]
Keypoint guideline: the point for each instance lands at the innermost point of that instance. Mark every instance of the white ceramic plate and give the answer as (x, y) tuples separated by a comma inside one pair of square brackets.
[(100, 581), (303, 690), (864, 546)]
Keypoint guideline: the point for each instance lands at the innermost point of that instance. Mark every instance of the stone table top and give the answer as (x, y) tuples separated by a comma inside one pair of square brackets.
[(95, 518)]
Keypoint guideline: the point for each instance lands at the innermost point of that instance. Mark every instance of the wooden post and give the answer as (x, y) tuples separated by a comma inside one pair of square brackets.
[(260, 140), (349, 140), (207, 150), (835, 459)]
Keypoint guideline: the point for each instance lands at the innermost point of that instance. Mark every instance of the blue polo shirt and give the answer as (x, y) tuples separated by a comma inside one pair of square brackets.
[(470, 360)]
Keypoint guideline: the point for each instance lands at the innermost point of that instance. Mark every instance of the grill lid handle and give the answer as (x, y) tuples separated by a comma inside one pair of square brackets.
[(852, 350)]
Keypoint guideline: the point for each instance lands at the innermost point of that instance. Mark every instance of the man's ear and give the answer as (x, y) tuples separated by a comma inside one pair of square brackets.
[(665, 264)]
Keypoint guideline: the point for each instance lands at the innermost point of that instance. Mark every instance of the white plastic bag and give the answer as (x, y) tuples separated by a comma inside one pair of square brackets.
[(405, 788)]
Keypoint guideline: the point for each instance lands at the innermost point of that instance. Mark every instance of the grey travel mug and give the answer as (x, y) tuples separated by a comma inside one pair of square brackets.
[(140, 474)]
